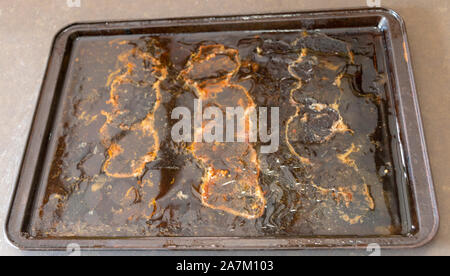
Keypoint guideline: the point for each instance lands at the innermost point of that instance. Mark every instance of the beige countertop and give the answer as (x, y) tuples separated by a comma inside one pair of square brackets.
[(27, 29)]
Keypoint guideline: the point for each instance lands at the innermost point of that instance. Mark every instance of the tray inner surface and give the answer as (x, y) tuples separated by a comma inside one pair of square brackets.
[(111, 168)]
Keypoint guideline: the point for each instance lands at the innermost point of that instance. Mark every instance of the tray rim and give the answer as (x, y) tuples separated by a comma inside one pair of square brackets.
[(427, 211)]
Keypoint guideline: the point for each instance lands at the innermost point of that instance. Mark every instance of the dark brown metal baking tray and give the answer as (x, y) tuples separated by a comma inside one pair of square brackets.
[(351, 169)]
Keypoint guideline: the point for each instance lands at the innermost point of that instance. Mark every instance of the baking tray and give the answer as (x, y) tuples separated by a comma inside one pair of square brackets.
[(410, 184)]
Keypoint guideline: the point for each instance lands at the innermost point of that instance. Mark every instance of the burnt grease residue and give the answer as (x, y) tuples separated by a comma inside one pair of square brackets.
[(117, 172)]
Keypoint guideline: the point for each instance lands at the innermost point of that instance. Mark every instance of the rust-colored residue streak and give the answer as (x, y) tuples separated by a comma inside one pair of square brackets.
[(405, 52), (231, 178), (129, 132)]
